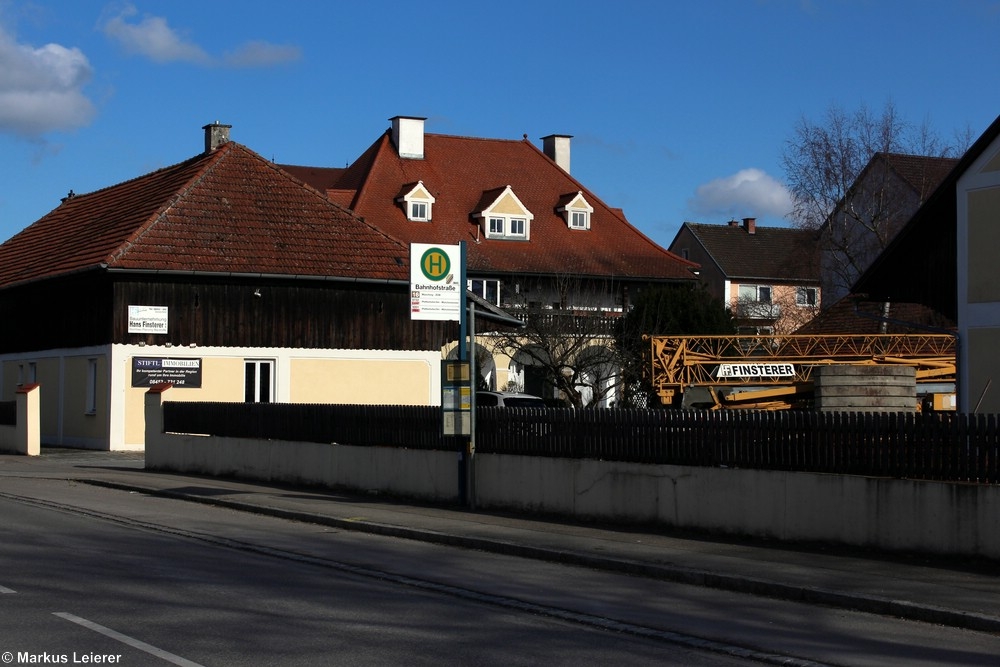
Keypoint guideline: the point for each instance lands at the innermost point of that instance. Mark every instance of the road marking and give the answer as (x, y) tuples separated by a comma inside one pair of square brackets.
[(125, 639), (6, 590)]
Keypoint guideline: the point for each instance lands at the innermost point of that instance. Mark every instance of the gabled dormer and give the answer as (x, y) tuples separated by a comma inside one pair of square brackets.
[(575, 210), (502, 215), (417, 202)]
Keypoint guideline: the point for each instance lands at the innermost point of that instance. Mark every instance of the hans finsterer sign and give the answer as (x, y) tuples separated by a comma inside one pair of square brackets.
[(435, 290), (147, 319)]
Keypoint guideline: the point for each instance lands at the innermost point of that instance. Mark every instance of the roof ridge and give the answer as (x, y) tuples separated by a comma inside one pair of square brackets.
[(323, 195), (616, 212)]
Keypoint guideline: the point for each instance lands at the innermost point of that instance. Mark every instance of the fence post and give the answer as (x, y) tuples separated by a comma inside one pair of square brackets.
[(27, 432), (153, 414)]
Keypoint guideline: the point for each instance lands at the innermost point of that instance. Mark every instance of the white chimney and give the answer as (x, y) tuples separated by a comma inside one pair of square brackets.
[(556, 146), (216, 135), (408, 135)]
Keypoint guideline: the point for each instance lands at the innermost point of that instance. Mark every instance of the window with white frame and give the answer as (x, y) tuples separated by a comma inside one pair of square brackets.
[(417, 202), (418, 210), (259, 381), (805, 296), (576, 210), (755, 293), (506, 227), (90, 407), (27, 373), (486, 289), (504, 216)]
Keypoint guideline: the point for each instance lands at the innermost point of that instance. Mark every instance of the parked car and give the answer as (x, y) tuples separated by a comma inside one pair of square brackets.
[(508, 400)]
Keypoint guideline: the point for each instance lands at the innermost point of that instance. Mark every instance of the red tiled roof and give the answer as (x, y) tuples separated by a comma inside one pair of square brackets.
[(229, 211), (776, 253), (458, 171)]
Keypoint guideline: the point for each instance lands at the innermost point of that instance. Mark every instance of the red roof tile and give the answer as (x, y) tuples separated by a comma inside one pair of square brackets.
[(459, 171), (229, 211)]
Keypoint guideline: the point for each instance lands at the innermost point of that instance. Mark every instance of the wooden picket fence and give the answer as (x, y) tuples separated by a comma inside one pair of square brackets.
[(936, 446)]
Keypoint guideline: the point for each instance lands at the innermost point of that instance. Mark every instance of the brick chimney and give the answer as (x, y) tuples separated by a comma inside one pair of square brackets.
[(408, 136), (216, 135), (556, 146), (750, 225)]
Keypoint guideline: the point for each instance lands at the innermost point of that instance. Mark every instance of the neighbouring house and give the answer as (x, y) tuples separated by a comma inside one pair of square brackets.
[(887, 192), (222, 274), (856, 314), (540, 244), (945, 258), (768, 276)]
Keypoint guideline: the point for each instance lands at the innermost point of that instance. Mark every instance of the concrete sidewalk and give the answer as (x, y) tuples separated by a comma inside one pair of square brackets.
[(936, 590)]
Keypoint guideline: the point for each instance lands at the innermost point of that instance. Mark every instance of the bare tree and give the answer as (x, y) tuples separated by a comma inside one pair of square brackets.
[(567, 342), (858, 177)]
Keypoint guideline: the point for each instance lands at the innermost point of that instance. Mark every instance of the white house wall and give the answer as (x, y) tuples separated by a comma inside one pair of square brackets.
[(383, 377), (62, 376), (978, 228)]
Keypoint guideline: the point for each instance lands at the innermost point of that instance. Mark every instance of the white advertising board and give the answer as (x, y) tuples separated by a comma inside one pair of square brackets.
[(147, 319)]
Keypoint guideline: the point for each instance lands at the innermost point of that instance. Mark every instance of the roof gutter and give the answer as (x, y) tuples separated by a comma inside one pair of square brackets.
[(259, 276)]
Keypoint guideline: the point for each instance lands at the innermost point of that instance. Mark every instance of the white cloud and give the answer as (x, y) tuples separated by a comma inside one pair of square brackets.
[(153, 38), (747, 193), (41, 89)]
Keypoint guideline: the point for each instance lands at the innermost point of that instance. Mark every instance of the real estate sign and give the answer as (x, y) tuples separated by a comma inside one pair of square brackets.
[(147, 371), (435, 282)]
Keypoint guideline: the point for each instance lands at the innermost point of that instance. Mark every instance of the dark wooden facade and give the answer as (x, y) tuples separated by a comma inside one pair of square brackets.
[(91, 308)]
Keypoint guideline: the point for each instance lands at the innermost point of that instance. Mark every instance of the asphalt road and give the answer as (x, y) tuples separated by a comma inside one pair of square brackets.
[(89, 572)]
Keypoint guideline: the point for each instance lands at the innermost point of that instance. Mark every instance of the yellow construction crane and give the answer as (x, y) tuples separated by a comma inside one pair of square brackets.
[(775, 372)]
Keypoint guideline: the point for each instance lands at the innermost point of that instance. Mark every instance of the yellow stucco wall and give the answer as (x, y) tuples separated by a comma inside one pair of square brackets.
[(983, 379), (221, 380), (984, 239), (78, 422), (992, 165), (360, 381), (507, 205)]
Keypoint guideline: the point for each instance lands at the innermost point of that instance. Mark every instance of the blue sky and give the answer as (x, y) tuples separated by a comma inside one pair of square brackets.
[(678, 110)]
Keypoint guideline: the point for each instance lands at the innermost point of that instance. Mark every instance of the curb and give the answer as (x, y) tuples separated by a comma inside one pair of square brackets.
[(734, 583)]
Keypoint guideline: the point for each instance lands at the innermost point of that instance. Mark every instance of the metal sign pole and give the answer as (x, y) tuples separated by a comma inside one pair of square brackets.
[(474, 379), (463, 356)]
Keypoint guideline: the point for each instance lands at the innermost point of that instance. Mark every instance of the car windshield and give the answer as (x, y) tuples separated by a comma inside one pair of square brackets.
[(523, 402)]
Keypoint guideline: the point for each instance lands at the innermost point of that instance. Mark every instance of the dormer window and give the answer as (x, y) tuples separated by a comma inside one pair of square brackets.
[(503, 216), (575, 210), (417, 201)]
